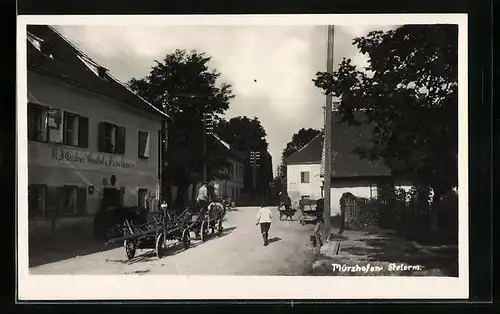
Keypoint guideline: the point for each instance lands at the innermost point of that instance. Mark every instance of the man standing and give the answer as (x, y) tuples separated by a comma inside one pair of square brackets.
[(202, 200), (264, 219)]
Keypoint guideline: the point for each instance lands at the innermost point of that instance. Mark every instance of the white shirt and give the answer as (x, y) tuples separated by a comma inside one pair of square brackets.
[(202, 193), (264, 215)]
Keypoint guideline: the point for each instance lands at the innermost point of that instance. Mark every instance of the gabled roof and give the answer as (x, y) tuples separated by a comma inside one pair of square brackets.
[(215, 143), (346, 163), (309, 154), (68, 63)]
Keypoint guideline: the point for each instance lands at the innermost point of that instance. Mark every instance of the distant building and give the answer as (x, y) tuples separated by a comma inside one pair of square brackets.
[(92, 141), (350, 173), (232, 187)]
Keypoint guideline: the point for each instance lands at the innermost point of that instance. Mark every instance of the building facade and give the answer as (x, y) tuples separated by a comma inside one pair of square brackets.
[(92, 142), (350, 173), (230, 182)]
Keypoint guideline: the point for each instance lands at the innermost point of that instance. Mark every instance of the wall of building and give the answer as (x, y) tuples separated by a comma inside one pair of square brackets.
[(297, 190), (57, 164), (232, 188)]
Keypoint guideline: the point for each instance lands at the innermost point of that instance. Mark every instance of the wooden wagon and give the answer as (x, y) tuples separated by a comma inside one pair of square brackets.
[(155, 234), (209, 219)]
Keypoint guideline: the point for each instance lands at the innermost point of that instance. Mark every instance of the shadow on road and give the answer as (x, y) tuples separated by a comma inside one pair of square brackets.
[(274, 239), (174, 249), (397, 250), (58, 248)]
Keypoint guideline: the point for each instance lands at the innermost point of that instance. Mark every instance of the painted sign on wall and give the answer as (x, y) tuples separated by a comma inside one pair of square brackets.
[(74, 156)]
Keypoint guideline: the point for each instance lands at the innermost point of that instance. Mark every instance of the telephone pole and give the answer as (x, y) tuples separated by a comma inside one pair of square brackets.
[(328, 140), (208, 128), (254, 162)]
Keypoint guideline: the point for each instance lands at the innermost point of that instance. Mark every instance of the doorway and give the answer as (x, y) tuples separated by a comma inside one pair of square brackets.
[(111, 197)]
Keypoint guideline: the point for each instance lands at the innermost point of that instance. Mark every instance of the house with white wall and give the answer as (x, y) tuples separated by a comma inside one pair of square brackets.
[(92, 142), (350, 172)]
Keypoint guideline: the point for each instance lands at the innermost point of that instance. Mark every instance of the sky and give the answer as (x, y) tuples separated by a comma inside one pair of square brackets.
[(282, 59)]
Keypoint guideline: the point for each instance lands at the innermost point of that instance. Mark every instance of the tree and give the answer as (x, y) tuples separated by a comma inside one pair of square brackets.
[(183, 86), (299, 140), (244, 135), (410, 92)]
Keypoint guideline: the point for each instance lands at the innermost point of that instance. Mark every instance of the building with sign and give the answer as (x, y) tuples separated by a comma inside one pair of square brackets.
[(93, 143)]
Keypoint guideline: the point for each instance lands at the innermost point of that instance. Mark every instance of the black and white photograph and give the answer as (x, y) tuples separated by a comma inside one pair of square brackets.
[(242, 157)]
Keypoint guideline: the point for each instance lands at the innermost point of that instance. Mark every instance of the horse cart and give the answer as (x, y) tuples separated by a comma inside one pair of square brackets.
[(155, 234), (209, 219)]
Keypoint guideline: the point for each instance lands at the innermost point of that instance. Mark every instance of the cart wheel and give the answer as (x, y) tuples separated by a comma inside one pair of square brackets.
[(129, 248), (186, 239), (219, 228), (160, 248), (203, 231)]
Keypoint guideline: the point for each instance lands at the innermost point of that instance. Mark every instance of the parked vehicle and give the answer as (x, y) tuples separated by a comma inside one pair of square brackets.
[(308, 211), (155, 233)]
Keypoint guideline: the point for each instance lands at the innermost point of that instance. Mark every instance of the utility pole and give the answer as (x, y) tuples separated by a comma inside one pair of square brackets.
[(328, 140), (254, 162), (208, 128)]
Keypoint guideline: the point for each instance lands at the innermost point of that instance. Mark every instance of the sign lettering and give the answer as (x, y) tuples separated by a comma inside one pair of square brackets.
[(61, 154)]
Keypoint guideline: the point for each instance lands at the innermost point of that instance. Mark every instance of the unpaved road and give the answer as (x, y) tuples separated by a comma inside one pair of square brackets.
[(239, 251)]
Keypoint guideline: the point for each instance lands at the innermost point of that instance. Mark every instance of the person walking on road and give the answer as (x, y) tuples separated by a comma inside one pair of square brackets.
[(264, 219)]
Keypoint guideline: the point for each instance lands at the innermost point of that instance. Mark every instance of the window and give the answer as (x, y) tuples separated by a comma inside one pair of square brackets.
[(241, 171), (304, 177), (144, 144), (142, 199), (37, 122), (305, 197), (75, 130), (111, 138), (44, 125), (70, 129), (67, 200), (36, 200), (72, 200)]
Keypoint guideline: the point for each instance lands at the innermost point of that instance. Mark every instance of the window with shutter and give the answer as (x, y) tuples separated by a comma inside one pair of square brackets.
[(83, 132), (67, 200), (36, 200), (81, 201), (143, 144), (120, 140), (37, 123), (70, 129), (102, 137)]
